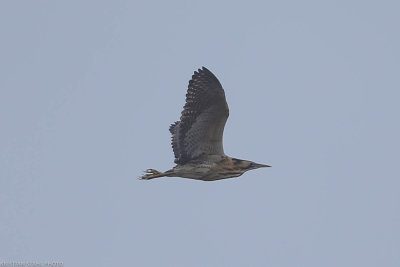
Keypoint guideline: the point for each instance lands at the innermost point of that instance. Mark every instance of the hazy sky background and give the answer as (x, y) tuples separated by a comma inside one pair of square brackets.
[(89, 89)]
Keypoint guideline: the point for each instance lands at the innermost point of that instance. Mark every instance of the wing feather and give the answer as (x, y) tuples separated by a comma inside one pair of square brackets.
[(201, 126)]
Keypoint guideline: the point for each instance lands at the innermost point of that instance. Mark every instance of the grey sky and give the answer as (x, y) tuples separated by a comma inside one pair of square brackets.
[(87, 93)]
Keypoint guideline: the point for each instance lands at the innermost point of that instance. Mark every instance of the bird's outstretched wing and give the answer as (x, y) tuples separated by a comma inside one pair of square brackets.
[(200, 130)]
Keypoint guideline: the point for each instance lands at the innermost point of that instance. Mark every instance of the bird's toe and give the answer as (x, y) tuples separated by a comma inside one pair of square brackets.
[(152, 172)]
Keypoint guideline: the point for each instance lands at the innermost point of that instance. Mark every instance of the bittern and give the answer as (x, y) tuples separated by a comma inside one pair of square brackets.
[(197, 137)]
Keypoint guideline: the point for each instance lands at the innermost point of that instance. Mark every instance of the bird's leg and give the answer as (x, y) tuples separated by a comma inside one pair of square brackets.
[(151, 173)]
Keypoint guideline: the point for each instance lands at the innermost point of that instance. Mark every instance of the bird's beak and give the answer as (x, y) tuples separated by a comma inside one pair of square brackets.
[(256, 165)]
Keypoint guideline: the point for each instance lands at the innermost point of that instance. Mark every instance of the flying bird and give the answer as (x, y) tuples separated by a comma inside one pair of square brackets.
[(197, 137)]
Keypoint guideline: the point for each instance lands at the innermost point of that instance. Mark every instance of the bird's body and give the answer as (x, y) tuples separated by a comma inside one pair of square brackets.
[(197, 137)]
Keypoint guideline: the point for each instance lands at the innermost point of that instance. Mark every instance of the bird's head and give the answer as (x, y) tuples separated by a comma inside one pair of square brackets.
[(246, 165)]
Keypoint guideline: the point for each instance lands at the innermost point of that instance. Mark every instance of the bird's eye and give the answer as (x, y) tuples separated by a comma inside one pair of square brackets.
[(237, 161)]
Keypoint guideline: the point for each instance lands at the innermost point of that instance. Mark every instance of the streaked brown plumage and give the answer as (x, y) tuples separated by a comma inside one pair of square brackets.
[(197, 137)]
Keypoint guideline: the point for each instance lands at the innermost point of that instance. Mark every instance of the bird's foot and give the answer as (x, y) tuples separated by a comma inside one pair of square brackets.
[(150, 174)]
